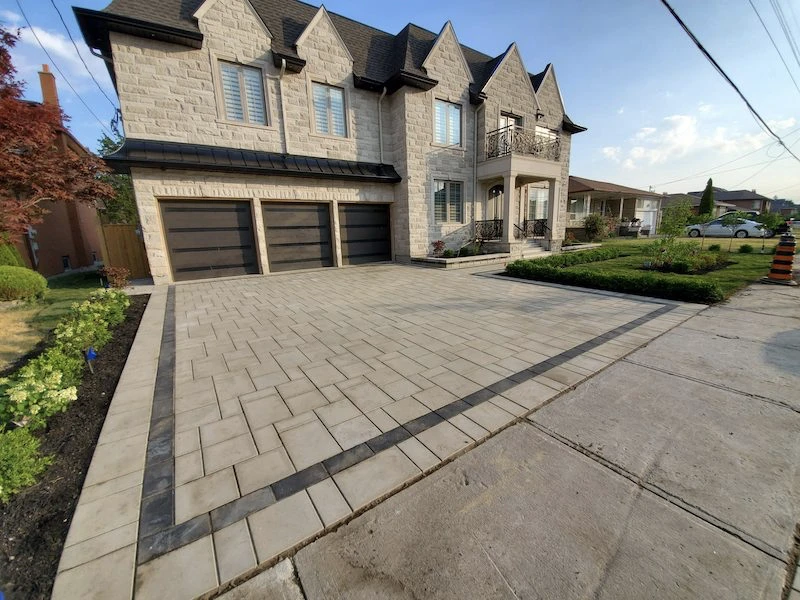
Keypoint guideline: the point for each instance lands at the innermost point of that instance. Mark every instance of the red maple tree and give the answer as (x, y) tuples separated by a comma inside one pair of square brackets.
[(36, 164)]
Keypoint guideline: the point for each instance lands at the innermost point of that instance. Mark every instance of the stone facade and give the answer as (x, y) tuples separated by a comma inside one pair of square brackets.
[(172, 93)]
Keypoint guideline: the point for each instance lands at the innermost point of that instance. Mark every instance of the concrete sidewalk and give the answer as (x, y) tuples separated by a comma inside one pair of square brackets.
[(670, 474)]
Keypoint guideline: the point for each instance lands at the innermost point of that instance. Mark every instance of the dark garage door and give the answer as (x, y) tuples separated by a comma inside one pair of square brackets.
[(365, 233), (209, 239), (298, 235)]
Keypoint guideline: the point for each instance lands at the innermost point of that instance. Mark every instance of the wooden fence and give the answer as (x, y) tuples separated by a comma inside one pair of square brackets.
[(125, 249)]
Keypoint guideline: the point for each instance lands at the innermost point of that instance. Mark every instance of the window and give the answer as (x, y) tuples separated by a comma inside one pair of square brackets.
[(448, 205), (510, 120), (243, 93), (544, 132), (66, 263), (578, 208), (538, 199), (447, 123), (329, 114)]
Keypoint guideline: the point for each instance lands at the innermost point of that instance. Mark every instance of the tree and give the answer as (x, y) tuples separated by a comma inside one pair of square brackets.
[(673, 220), (122, 207), (35, 164), (707, 201)]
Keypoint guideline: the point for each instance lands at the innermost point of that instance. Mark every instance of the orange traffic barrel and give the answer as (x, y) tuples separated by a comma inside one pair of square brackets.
[(781, 270)]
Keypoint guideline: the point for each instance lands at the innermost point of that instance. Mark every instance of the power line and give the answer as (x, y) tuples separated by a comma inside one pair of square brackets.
[(769, 164), (786, 30), (771, 39), (78, 52), (719, 69), (60, 72), (712, 170)]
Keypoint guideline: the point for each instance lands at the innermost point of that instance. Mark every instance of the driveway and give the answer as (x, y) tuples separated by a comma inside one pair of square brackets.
[(282, 405)]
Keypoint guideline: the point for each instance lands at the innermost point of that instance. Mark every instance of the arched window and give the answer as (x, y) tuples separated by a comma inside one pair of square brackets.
[(494, 203)]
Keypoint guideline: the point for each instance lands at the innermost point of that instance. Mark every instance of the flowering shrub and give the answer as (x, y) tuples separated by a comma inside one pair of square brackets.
[(48, 383), (438, 247)]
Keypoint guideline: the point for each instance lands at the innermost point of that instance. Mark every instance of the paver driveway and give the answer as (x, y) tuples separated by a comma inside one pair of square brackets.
[(283, 404)]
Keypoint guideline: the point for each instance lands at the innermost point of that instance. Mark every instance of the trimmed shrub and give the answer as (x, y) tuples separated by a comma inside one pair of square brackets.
[(569, 259), (118, 277), (714, 248), (449, 253), (745, 249), (595, 226), (469, 250), (9, 256), (20, 461), (643, 284), (20, 283)]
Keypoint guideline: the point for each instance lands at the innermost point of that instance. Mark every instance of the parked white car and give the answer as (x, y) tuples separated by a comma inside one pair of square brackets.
[(715, 228)]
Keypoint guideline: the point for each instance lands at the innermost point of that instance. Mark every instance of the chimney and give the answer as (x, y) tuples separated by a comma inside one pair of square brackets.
[(48, 82)]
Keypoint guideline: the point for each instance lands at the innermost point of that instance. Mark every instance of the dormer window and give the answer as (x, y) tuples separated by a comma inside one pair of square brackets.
[(329, 110), (243, 93)]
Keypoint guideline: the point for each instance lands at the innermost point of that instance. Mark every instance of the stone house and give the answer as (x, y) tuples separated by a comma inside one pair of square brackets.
[(271, 135)]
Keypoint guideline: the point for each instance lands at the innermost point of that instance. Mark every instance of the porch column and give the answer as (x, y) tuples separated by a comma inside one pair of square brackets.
[(509, 184), (621, 202), (553, 210)]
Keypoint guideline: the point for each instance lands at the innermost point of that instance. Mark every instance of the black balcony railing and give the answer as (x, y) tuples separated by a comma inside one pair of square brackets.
[(515, 140), (535, 228), (489, 230)]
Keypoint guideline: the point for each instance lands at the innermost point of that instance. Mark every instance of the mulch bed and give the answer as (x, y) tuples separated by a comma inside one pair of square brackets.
[(34, 524)]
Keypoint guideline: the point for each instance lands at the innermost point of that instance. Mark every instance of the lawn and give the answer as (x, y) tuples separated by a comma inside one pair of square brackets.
[(748, 267), (25, 325)]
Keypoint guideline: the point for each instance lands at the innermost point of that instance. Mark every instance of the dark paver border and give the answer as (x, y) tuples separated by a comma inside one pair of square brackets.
[(158, 532)]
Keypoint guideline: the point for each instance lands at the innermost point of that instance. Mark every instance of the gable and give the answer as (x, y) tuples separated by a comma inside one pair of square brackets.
[(511, 74), (321, 34), (549, 95), (234, 28), (446, 49)]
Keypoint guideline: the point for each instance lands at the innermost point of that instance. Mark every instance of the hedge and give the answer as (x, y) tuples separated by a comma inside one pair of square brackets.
[(569, 259), (20, 461), (9, 256), (642, 284), (20, 283)]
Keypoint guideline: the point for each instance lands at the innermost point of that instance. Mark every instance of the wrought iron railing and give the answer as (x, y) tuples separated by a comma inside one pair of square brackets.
[(507, 140), (531, 228), (489, 230)]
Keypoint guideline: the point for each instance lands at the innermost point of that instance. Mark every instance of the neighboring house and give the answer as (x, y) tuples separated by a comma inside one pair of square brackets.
[(69, 237), (276, 136), (741, 199), (784, 207), (625, 204), (720, 208)]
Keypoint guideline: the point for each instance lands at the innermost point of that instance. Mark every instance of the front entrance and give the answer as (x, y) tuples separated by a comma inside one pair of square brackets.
[(493, 208)]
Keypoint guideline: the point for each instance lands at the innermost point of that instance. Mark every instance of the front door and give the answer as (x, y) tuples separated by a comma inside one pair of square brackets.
[(494, 203)]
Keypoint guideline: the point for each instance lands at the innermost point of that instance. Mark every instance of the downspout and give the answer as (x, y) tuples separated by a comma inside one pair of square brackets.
[(283, 106), (475, 167), (380, 124)]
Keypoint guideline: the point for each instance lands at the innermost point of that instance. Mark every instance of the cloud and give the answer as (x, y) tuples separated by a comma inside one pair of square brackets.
[(704, 108), (612, 152), (644, 132), (620, 110), (10, 18), (783, 124)]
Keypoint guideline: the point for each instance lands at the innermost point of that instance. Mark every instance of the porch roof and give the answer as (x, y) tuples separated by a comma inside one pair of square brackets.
[(579, 185)]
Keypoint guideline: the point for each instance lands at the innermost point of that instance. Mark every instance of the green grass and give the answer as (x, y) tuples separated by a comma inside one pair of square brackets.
[(25, 325), (748, 267)]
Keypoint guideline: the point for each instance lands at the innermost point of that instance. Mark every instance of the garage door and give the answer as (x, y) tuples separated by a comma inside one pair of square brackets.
[(298, 235), (209, 239), (365, 233)]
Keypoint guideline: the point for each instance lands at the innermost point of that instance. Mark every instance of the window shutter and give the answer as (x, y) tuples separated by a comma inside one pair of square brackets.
[(454, 118), (456, 205), (337, 112), (320, 109), (440, 123), (231, 92), (440, 202), (254, 92)]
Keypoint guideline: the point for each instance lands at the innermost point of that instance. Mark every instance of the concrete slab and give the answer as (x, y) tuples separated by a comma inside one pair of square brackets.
[(512, 519), (754, 367), (277, 583), (729, 455)]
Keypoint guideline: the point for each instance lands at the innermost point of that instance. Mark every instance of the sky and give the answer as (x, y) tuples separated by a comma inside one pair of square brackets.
[(658, 115)]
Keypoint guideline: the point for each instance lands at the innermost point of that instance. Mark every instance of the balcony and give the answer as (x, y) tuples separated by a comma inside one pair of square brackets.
[(516, 140)]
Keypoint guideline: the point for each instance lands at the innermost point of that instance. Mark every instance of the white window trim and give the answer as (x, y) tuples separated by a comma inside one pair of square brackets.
[(219, 95), (462, 124), (312, 123), (448, 222)]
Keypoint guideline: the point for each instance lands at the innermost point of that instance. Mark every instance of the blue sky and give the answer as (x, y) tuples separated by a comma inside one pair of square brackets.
[(655, 109)]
